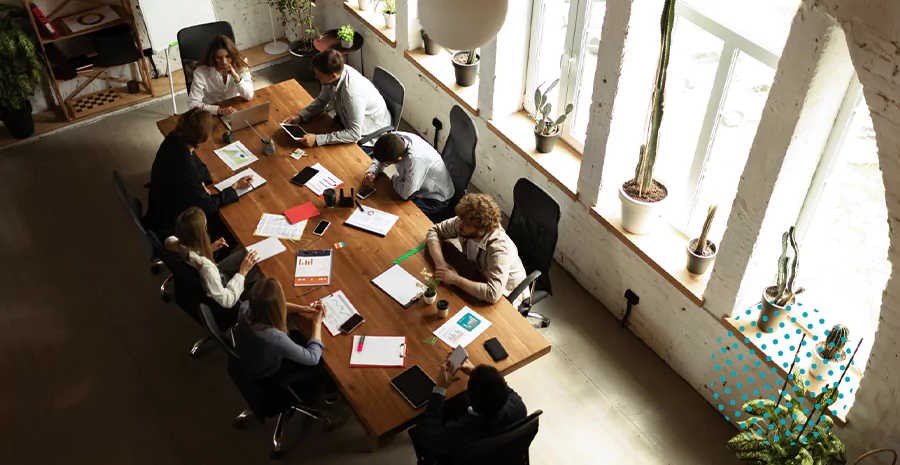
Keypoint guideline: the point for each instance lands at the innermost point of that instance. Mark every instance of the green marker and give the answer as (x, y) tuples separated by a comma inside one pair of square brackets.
[(409, 254), (173, 44)]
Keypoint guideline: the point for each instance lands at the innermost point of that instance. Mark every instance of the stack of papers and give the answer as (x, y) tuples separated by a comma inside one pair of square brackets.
[(338, 311), (400, 285), (324, 179), (313, 268), (278, 226), (372, 220), (462, 328), (236, 155), (267, 248), (379, 351), (257, 181)]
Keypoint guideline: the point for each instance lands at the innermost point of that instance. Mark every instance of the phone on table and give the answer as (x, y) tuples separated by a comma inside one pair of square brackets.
[(352, 323), (293, 130), (321, 227), (457, 358), (365, 192)]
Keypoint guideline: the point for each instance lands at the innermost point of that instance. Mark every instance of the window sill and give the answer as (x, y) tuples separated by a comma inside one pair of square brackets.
[(375, 22), (561, 166), (439, 69), (749, 332), (663, 249)]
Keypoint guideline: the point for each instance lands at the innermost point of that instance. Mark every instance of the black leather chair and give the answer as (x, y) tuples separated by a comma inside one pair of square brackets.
[(459, 156), (508, 447), (265, 400), (193, 42), (534, 228), (134, 208), (394, 94)]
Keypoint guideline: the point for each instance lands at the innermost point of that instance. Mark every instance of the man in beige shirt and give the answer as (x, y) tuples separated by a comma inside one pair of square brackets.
[(484, 242)]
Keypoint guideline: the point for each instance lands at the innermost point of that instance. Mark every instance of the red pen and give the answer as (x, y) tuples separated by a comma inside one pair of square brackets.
[(359, 346)]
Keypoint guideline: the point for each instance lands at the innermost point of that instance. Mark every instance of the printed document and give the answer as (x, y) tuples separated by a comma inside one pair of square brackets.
[(462, 328), (236, 155), (278, 226)]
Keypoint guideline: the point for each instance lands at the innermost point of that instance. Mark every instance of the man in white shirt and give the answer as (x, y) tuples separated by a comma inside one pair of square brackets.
[(356, 101), (421, 174)]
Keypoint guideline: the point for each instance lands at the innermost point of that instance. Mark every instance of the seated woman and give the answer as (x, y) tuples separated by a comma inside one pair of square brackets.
[(484, 242), (268, 352), (223, 283), (224, 73)]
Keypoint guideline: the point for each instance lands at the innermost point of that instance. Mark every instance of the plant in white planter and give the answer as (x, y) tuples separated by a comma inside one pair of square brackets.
[(465, 67), (777, 298), (363, 4), (828, 356), (389, 10), (346, 34), (642, 196), (701, 251), (431, 285), (546, 129)]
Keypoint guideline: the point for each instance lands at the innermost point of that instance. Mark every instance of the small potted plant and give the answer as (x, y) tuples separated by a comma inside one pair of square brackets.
[(642, 196), (389, 10), (297, 19), (701, 251), (20, 72), (777, 299), (465, 66), (431, 285), (546, 129), (363, 4), (828, 356), (346, 34), (431, 47)]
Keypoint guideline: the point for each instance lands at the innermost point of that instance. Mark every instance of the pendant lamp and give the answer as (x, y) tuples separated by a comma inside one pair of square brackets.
[(462, 24)]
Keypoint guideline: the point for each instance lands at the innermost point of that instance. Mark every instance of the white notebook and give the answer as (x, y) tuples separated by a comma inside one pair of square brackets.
[(372, 220), (378, 351), (400, 285), (256, 182), (267, 248)]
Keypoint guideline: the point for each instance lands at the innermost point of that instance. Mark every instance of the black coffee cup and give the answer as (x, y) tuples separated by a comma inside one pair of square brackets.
[(443, 308), (330, 197)]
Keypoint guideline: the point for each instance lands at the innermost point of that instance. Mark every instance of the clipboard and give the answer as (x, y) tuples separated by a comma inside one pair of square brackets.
[(378, 352), (403, 287)]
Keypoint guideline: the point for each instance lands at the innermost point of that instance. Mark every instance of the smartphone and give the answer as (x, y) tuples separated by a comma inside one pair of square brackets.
[(457, 358), (355, 320), (321, 227), (365, 192), (293, 130)]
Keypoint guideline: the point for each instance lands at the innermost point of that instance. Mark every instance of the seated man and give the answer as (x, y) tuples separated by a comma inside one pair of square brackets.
[(493, 407), (356, 101), (421, 174), (477, 225)]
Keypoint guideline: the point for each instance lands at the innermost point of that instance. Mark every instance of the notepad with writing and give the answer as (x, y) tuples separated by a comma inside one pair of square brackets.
[(378, 351), (372, 220), (400, 285), (256, 182)]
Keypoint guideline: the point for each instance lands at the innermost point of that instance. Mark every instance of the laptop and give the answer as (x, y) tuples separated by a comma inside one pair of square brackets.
[(253, 115)]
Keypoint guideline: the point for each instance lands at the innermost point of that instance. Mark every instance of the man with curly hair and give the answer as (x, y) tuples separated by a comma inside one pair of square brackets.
[(484, 242)]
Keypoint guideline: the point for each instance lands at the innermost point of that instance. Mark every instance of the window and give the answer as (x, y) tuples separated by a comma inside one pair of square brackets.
[(565, 38)]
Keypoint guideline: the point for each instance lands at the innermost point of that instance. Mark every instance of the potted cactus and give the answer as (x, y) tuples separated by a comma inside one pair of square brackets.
[(346, 34), (777, 299), (828, 356), (702, 251), (546, 129), (431, 47), (642, 196), (389, 10), (465, 66)]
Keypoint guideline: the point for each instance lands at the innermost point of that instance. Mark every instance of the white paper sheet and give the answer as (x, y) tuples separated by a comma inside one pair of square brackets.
[(256, 182), (462, 328), (338, 311), (379, 351), (267, 248), (324, 179), (400, 285), (278, 226), (236, 155), (372, 220)]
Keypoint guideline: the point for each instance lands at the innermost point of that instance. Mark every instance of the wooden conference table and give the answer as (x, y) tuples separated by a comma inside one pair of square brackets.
[(381, 409)]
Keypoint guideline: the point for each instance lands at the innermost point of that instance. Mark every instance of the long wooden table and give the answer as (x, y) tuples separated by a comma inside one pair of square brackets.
[(380, 408)]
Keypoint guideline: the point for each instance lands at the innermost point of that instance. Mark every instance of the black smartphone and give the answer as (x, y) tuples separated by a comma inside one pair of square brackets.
[(321, 227), (355, 320), (365, 192), (495, 349)]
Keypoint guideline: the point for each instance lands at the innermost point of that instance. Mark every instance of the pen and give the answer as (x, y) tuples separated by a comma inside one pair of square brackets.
[(359, 206), (362, 339)]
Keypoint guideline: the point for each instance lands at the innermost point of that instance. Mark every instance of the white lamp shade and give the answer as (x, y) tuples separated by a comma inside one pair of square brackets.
[(462, 24)]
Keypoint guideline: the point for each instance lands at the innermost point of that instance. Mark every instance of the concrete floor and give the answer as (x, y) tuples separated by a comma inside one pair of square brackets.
[(95, 368)]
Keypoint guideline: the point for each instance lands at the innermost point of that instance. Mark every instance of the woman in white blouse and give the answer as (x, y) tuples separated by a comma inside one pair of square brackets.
[(223, 74), (223, 283)]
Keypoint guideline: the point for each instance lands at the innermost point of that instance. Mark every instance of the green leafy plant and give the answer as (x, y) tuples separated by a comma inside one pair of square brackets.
[(388, 7), (20, 62), (431, 283), (643, 173), (832, 348), (346, 33), (784, 291), (543, 123), (707, 224), (299, 14)]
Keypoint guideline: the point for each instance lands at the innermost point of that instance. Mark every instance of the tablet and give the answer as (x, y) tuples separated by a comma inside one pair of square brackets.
[(304, 176), (294, 130), (414, 385)]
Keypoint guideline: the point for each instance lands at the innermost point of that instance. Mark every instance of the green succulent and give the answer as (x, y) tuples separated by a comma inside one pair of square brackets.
[(346, 33)]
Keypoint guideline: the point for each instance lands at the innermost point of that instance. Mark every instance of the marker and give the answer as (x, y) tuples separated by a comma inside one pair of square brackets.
[(359, 347)]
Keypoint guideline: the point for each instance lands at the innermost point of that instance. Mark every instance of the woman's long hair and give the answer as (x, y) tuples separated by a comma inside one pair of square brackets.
[(221, 42), (267, 306), (190, 229)]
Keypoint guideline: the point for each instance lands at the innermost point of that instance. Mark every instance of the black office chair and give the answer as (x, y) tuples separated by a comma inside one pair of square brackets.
[(459, 156), (534, 228), (193, 42), (508, 447), (393, 92), (265, 400)]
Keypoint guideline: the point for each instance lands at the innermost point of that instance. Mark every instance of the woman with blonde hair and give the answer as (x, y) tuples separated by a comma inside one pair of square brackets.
[(223, 283), (222, 74)]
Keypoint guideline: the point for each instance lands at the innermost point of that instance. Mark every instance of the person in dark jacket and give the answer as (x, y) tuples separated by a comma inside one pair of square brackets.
[(493, 406), (179, 179)]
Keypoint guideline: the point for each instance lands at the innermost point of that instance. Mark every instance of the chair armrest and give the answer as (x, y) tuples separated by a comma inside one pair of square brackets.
[(375, 135), (523, 285)]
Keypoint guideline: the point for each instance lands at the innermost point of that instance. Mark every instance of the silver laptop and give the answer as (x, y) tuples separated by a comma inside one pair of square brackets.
[(246, 117)]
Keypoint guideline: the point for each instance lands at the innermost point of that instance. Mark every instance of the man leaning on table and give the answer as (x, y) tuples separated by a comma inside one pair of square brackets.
[(355, 99), (483, 240)]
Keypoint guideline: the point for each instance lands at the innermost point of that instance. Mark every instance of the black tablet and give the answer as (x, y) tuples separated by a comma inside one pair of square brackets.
[(304, 176), (414, 385)]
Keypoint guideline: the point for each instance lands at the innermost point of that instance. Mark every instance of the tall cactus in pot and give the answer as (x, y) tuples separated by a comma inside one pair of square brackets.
[(788, 267)]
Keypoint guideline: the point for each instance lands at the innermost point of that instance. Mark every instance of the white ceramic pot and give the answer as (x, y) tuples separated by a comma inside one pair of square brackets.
[(430, 300), (346, 43), (639, 217), (390, 21), (363, 4), (819, 368)]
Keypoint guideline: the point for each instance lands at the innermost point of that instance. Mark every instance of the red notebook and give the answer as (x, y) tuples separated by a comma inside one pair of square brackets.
[(301, 212)]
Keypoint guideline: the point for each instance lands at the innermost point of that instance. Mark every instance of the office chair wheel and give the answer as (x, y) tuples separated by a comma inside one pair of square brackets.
[(545, 323), (155, 267), (238, 424), (276, 455), (165, 298)]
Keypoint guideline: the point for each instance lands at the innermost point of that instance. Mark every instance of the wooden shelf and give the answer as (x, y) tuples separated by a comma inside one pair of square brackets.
[(124, 18), (124, 99)]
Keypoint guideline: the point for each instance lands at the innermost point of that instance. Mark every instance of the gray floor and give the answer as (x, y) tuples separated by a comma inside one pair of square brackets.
[(95, 368)]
